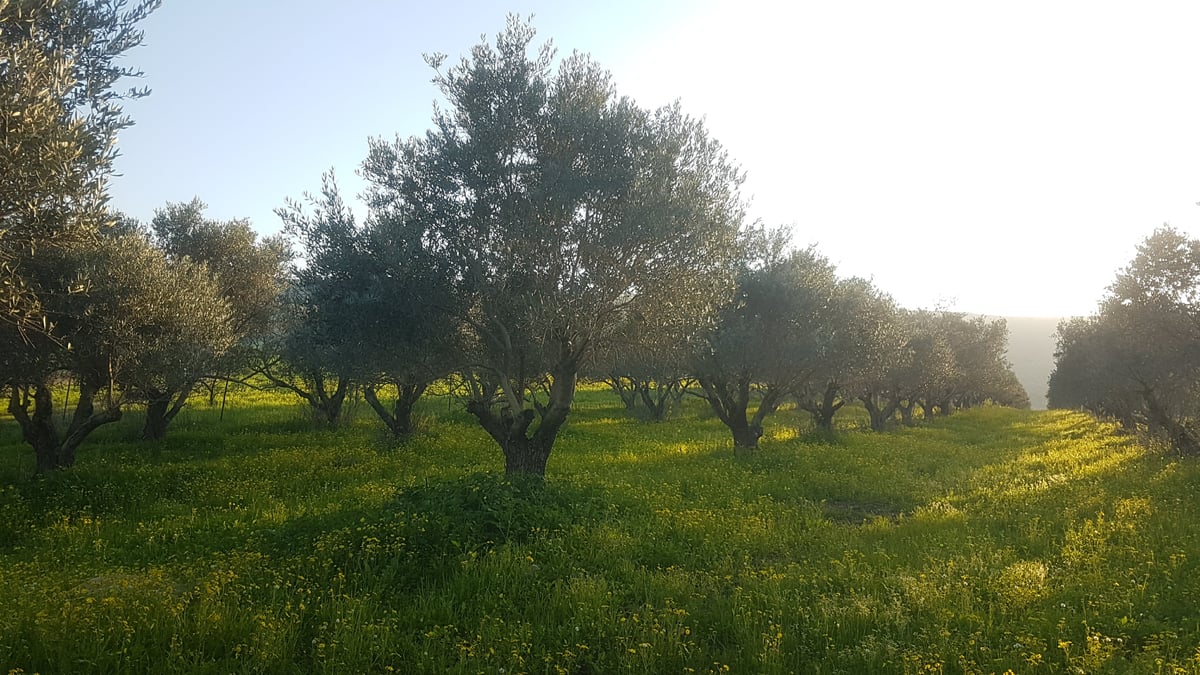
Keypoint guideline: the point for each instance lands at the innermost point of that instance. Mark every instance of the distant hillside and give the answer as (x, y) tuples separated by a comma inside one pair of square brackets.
[(1031, 351)]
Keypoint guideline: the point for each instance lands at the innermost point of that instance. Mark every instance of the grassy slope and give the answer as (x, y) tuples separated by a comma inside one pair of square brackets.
[(993, 540)]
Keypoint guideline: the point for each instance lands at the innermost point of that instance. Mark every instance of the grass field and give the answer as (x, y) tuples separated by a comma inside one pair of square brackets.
[(991, 541)]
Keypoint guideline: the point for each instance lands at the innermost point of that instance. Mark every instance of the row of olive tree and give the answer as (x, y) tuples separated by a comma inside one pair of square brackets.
[(545, 225), (1137, 359), (794, 331), (152, 313), (508, 245), (68, 302), (126, 313)]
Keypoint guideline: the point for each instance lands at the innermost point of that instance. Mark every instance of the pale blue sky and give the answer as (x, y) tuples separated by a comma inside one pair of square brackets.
[(1005, 158)]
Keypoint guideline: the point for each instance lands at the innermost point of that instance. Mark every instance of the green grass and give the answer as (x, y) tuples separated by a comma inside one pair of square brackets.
[(990, 541)]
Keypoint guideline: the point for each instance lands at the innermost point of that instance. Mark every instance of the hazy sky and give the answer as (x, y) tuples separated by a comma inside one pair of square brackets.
[(1001, 158)]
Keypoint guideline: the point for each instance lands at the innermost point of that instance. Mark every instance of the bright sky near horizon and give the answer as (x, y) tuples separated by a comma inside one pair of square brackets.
[(999, 158)]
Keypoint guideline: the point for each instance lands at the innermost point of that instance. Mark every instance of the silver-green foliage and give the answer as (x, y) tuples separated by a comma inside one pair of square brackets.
[(58, 125), (1138, 358), (561, 207)]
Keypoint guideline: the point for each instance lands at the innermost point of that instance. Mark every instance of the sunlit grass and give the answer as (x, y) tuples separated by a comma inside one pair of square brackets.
[(990, 541)]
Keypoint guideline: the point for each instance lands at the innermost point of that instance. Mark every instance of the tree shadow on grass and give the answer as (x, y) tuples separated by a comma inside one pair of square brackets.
[(484, 510), (429, 529)]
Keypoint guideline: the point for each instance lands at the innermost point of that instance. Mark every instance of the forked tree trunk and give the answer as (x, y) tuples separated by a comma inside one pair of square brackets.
[(906, 412), (325, 406), (745, 435), (399, 419), (37, 428), (659, 398), (928, 408), (823, 409), (327, 412), (730, 400), (525, 456), (161, 410), (36, 418), (626, 389), (880, 411), (527, 453)]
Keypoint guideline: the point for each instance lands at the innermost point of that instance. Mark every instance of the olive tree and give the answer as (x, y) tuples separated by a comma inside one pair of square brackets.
[(981, 370), (925, 377), (249, 275), (559, 207), (309, 350), (649, 365), (58, 124), (126, 332), (1138, 358), (880, 349), (854, 343), (378, 298), (1093, 371), (769, 341)]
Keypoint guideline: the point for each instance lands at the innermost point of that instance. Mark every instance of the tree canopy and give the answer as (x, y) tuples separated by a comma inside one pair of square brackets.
[(770, 339), (372, 308), (60, 118), (560, 208), (58, 125), (1138, 358), (546, 228)]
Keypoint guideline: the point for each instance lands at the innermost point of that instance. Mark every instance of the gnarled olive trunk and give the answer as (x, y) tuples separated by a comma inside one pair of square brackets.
[(35, 415), (661, 398), (325, 405), (823, 409), (730, 400), (526, 452), (626, 388), (880, 410), (928, 408), (398, 420), (906, 412), (161, 408), (745, 434), (525, 456)]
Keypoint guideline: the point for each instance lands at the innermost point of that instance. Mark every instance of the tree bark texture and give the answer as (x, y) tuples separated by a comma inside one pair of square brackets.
[(398, 420), (527, 452), (35, 416), (161, 410), (823, 409), (730, 401)]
